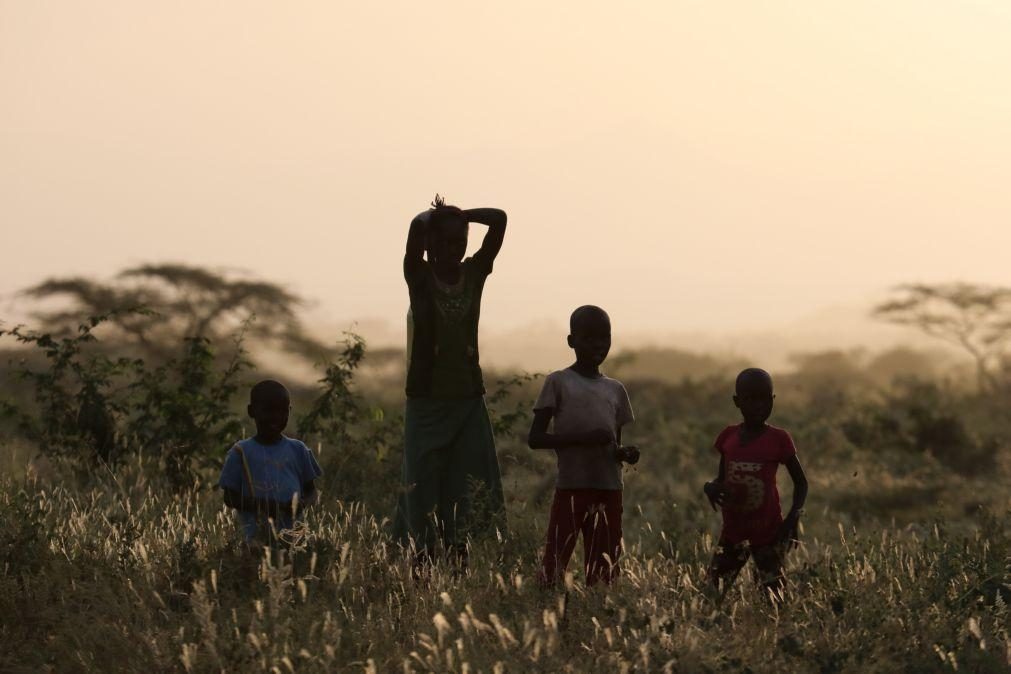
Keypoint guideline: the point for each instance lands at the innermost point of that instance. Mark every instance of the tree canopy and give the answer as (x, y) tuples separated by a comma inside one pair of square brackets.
[(154, 306), (974, 318)]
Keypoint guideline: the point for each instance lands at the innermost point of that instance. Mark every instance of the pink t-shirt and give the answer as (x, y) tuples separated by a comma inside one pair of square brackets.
[(751, 511)]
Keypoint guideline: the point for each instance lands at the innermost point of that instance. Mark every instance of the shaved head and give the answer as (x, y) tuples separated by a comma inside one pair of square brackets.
[(267, 390), (753, 380), (588, 316)]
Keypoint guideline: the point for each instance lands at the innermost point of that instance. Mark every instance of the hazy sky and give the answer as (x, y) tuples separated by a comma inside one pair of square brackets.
[(688, 165)]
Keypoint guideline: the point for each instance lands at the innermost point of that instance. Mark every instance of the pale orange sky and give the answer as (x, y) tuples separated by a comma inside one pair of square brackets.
[(686, 165)]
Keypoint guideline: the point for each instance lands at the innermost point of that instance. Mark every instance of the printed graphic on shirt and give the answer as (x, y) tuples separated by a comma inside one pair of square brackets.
[(454, 303), (269, 471), (746, 486), (752, 509)]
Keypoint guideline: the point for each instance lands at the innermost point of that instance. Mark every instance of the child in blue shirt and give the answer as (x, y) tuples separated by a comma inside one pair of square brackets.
[(270, 477)]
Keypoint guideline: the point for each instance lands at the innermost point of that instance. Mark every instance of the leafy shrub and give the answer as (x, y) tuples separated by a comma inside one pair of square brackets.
[(918, 417), (508, 410), (182, 411), (80, 397), (91, 408), (358, 439)]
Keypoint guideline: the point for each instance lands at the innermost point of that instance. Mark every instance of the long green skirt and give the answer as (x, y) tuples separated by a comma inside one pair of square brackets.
[(452, 489)]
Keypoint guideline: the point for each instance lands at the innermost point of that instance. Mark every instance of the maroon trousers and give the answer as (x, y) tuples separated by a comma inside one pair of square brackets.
[(594, 513)]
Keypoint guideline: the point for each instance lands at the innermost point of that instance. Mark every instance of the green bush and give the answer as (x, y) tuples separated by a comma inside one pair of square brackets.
[(922, 417), (92, 409)]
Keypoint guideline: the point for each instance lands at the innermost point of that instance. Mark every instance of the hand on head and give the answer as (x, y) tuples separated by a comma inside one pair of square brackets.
[(446, 239)]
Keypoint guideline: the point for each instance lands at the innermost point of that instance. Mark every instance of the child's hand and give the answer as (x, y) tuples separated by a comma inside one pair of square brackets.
[(787, 536), (628, 453), (716, 493)]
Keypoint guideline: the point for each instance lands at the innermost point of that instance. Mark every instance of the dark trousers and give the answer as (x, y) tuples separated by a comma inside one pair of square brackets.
[(730, 558), (594, 513)]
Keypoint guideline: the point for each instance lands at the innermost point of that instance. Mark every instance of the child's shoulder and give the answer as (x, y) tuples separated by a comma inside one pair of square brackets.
[(565, 375), (727, 432), (296, 445), (612, 381), (569, 375), (730, 428), (286, 443), (782, 439), (779, 433)]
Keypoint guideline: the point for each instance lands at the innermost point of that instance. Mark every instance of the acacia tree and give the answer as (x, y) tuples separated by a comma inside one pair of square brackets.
[(156, 306), (974, 318)]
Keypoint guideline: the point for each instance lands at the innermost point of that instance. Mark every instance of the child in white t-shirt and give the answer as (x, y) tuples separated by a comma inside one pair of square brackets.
[(588, 410)]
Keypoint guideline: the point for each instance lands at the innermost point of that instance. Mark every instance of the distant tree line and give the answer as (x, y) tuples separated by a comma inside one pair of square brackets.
[(974, 318), (155, 307)]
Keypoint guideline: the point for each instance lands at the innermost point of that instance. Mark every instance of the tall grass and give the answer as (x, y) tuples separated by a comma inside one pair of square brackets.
[(127, 575), (128, 561)]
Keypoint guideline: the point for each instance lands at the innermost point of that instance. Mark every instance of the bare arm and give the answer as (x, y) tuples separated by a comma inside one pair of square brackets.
[(788, 530), (309, 495), (415, 254), (540, 438), (495, 219), (715, 491), (799, 484), (629, 453)]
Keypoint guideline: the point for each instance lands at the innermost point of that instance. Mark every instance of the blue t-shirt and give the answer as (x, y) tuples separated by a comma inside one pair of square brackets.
[(277, 472)]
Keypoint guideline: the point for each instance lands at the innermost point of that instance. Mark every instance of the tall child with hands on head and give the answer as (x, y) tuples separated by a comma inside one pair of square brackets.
[(745, 488), (588, 411), (451, 481)]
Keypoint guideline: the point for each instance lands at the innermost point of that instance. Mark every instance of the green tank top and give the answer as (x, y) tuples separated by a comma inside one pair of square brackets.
[(442, 330)]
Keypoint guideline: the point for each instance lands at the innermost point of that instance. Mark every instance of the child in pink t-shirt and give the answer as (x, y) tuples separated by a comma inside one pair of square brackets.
[(745, 489)]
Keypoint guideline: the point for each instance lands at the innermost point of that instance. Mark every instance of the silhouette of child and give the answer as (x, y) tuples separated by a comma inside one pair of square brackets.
[(270, 477), (588, 410), (452, 485), (745, 489)]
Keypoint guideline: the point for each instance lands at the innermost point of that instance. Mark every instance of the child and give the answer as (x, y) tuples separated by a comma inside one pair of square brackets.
[(750, 454), (589, 411), (452, 485), (270, 477)]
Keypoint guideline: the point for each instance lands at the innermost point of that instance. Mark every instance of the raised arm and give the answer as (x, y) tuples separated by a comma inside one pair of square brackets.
[(495, 219), (540, 438), (416, 237)]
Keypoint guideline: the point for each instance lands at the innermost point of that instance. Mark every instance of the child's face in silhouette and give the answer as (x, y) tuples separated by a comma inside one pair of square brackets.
[(448, 244), (591, 338), (270, 410), (754, 397)]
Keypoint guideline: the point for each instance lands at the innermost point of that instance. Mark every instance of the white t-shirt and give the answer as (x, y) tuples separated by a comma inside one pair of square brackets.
[(584, 404)]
